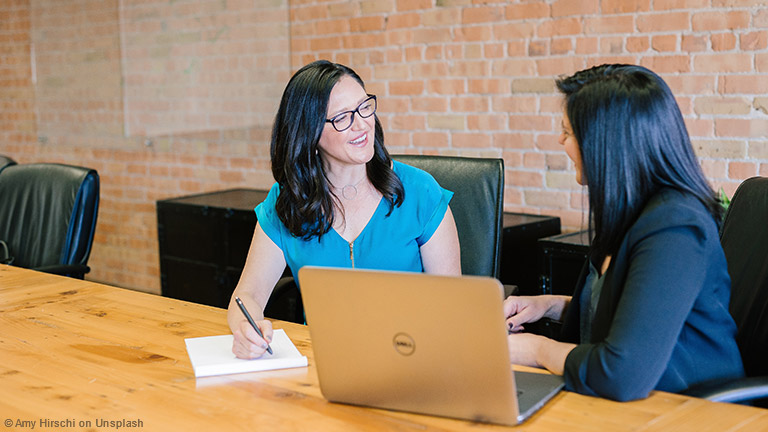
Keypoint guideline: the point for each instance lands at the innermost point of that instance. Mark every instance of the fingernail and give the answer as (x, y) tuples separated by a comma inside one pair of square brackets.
[(264, 346)]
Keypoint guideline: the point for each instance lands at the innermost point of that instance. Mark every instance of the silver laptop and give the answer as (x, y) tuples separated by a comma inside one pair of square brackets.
[(420, 343)]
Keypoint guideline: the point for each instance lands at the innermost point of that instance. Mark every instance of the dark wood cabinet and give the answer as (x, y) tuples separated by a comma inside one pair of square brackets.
[(561, 260), (204, 241), (562, 257), (519, 249)]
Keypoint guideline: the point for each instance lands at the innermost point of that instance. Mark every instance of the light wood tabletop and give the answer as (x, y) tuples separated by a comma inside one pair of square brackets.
[(94, 357)]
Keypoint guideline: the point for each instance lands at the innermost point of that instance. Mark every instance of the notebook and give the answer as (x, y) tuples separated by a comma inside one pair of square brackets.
[(212, 355), (419, 343)]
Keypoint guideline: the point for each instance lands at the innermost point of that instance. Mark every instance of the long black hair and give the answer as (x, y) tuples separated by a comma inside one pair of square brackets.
[(305, 204), (633, 141)]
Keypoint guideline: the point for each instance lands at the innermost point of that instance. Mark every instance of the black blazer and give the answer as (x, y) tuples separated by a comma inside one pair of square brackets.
[(662, 319)]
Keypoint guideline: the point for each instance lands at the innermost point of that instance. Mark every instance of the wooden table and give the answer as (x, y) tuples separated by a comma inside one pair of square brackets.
[(89, 355)]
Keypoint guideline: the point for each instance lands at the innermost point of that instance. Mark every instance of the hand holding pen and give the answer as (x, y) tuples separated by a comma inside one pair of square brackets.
[(252, 323)]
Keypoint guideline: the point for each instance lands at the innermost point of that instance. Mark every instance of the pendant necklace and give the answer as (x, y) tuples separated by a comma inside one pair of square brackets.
[(349, 192)]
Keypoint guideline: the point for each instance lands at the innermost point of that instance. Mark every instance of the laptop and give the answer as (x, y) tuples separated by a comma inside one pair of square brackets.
[(419, 343)]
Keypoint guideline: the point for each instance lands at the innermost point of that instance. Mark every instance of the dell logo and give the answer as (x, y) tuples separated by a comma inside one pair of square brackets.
[(404, 344)]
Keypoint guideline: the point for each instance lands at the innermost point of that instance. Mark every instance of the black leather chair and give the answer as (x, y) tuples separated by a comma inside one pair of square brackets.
[(48, 216), (5, 161), (285, 302), (744, 236), (477, 206)]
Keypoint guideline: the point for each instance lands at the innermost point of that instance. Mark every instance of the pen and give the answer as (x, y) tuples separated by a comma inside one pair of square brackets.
[(250, 320)]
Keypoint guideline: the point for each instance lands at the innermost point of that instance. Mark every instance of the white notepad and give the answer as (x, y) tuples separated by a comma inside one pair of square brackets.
[(212, 355)]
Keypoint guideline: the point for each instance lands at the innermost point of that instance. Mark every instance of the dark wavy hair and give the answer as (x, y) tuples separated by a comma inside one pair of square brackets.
[(306, 202), (633, 141)]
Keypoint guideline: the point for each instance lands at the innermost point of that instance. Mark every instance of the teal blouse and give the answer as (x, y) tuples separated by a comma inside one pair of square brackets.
[(386, 243)]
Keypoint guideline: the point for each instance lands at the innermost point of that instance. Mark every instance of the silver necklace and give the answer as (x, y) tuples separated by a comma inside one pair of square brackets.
[(349, 191)]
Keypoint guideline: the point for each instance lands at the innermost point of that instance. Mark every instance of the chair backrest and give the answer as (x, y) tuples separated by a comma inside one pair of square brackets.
[(744, 236), (5, 161), (477, 205), (48, 213)]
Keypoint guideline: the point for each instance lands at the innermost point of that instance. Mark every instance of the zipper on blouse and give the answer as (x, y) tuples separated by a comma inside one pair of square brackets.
[(352, 253)]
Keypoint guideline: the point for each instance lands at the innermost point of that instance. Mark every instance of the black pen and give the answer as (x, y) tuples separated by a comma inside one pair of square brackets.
[(250, 320)]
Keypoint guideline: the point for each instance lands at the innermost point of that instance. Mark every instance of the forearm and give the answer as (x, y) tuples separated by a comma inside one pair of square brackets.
[(529, 349), (263, 268), (551, 355), (558, 305)]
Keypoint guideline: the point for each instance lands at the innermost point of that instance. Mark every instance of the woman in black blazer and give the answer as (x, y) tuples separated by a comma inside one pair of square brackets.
[(651, 308)]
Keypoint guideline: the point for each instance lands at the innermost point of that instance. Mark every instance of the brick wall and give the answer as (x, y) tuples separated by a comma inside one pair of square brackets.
[(170, 98)]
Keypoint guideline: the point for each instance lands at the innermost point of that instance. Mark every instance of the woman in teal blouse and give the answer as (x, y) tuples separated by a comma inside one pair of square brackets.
[(390, 241), (339, 199)]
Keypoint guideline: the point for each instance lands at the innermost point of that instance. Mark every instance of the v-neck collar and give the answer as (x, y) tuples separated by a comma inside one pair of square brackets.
[(367, 224)]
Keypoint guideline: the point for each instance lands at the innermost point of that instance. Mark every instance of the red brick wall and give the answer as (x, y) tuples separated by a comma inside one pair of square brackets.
[(161, 98), (17, 99)]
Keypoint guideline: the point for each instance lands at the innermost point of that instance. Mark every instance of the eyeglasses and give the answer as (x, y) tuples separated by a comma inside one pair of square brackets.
[(343, 121)]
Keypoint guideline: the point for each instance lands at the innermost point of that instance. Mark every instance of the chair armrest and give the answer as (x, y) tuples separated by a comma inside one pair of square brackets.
[(285, 302), (72, 270), (741, 390), (284, 285)]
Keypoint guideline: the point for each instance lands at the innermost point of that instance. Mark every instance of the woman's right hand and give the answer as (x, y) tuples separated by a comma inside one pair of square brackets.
[(247, 343), (519, 310)]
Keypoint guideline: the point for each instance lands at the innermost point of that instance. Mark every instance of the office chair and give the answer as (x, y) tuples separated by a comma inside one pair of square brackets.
[(5, 161), (477, 206), (744, 236), (48, 216), (285, 302)]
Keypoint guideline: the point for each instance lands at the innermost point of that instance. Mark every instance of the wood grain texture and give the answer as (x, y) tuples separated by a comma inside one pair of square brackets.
[(82, 351)]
